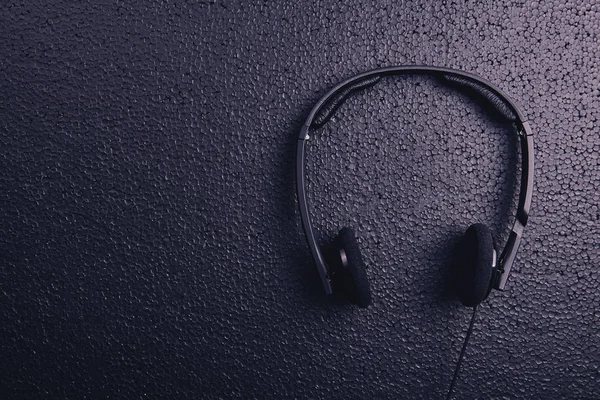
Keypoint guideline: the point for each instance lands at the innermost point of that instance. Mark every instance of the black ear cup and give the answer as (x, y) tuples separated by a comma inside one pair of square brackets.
[(472, 265), (351, 275)]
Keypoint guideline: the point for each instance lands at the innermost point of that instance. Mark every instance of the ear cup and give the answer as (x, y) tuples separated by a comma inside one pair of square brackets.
[(472, 266), (352, 275)]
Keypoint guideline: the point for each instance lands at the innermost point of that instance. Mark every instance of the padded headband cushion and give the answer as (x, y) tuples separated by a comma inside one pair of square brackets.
[(473, 265), (354, 280)]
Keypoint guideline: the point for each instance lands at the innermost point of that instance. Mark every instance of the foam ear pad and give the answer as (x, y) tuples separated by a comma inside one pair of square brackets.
[(472, 265), (353, 277)]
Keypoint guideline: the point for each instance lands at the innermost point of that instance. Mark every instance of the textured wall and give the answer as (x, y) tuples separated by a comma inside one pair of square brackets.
[(150, 244)]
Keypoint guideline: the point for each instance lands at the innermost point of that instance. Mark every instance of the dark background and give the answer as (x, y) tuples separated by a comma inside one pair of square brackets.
[(149, 238)]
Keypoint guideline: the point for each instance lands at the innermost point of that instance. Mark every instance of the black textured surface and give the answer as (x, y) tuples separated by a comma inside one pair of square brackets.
[(150, 243)]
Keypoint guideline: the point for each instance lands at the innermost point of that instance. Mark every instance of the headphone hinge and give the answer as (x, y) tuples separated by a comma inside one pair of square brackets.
[(523, 129), (497, 269), (304, 133)]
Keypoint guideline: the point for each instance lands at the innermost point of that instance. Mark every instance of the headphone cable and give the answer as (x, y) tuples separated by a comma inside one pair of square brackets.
[(462, 353)]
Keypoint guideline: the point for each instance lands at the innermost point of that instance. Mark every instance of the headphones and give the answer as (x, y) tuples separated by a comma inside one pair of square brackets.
[(476, 268)]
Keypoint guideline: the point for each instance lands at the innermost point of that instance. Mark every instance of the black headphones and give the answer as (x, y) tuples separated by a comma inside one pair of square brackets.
[(476, 268)]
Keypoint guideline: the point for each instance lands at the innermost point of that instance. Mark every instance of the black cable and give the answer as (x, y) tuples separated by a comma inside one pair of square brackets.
[(462, 354)]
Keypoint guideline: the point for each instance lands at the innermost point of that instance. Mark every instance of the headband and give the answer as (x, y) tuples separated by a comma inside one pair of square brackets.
[(332, 100)]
